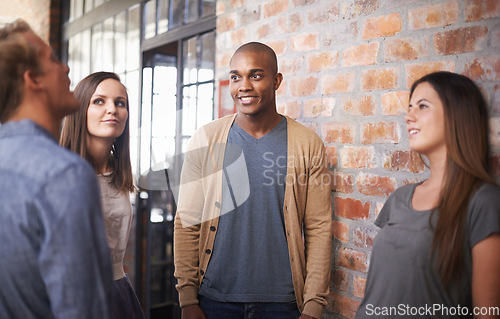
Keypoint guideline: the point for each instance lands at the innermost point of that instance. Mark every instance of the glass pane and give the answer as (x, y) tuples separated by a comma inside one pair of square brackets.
[(88, 5), (208, 7), (164, 115), (177, 17), (207, 65), (163, 8), (133, 40), (74, 59), (150, 19), (131, 81), (76, 9), (189, 103), (120, 42), (193, 10), (98, 3), (97, 55), (162, 284), (190, 60), (147, 78), (205, 111), (108, 40)]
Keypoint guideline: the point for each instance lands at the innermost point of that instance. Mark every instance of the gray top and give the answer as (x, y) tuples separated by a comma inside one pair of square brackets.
[(54, 258), (250, 261), (401, 272)]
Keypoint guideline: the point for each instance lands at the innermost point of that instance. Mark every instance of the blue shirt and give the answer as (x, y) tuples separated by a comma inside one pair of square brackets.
[(54, 259), (250, 261)]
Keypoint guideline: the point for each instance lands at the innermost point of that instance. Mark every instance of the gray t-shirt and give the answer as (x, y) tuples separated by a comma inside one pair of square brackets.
[(250, 261), (402, 280)]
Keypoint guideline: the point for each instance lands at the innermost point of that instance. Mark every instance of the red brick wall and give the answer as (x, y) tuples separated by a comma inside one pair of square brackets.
[(347, 67)]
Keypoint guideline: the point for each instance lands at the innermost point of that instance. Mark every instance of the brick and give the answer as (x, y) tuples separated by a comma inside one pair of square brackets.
[(378, 208), (495, 131), (352, 259), (339, 34), (279, 46), (249, 15), (357, 157), (405, 49), (351, 208), (320, 107), (275, 7), (239, 37), (301, 3), (339, 83), (460, 40), (363, 237), (338, 133), (384, 26), (220, 8), (323, 61), (483, 68), (416, 71), (226, 22), (343, 183), (395, 103), (481, 9), (380, 132), (331, 155), (281, 25), (373, 185), (379, 79), (237, 4), (291, 66), (290, 108), (264, 30), (312, 126), (358, 286), (340, 280), (324, 13), (342, 305), (361, 105), (295, 22), (356, 8), (304, 42), (303, 86), (431, 16), (340, 231), (363, 54), (404, 161)]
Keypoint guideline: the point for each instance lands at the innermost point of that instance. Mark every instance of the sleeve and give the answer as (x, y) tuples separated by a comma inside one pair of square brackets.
[(74, 257), (484, 210), (187, 227), (317, 235)]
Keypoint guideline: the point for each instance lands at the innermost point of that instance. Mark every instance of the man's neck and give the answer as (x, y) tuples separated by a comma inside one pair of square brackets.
[(258, 126), (40, 117)]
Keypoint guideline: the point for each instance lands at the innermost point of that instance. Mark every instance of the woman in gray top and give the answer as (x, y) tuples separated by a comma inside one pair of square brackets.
[(99, 133), (437, 254)]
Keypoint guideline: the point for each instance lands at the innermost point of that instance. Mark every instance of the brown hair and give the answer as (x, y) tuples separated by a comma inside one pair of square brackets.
[(75, 132), (468, 151), (17, 55)]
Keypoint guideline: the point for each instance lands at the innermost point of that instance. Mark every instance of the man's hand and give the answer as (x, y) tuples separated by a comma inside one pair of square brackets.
[(303, 316), (192, 312)]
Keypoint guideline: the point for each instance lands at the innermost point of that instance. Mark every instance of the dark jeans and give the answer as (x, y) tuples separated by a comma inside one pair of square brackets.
[(252, 310)]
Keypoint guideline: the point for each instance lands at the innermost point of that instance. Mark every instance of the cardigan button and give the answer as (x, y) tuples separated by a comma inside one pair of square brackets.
[(217, 204), (212, 228), (201, 272), (208, 251)]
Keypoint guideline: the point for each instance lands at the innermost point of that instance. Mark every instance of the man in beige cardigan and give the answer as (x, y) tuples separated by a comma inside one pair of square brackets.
[(252, 234)]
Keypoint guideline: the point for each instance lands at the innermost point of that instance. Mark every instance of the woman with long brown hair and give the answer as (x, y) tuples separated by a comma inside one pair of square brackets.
[(99, 132), (438, 251)]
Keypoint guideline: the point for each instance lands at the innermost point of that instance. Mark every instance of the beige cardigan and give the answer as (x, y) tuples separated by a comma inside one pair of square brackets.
[(307, 212)]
